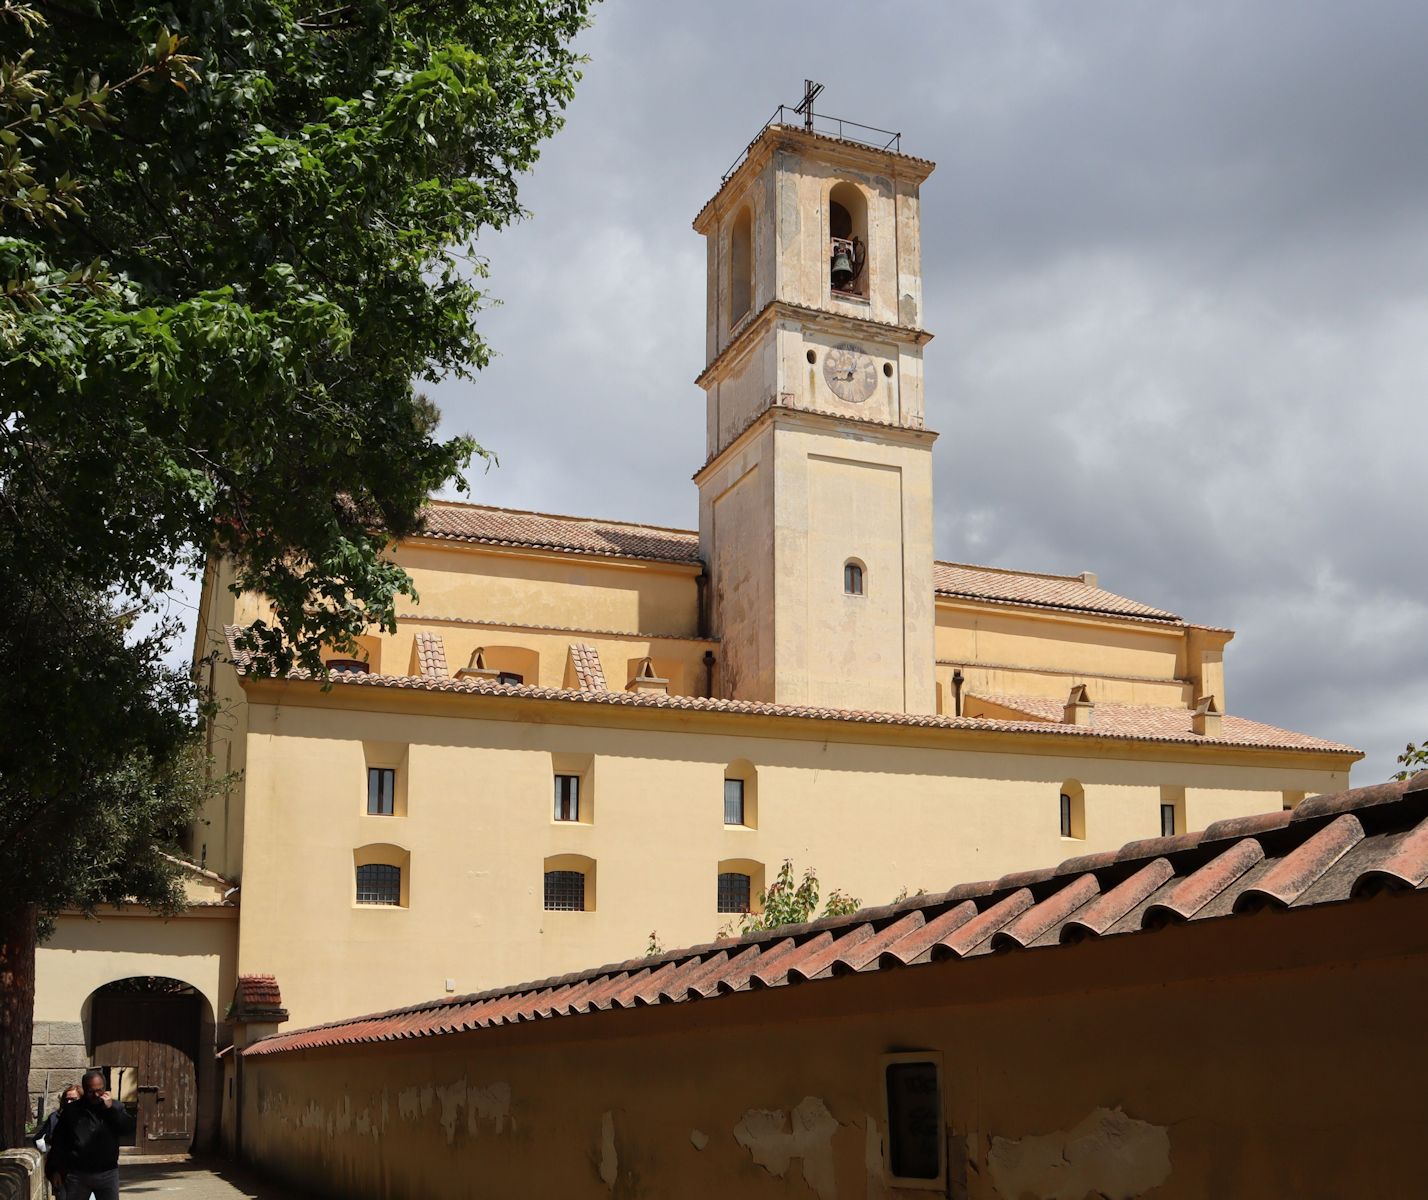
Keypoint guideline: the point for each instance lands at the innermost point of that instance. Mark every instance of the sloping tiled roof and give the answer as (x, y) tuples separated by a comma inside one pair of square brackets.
[(259, 991), (1330, 850), (1152, 720), (431, 654), (1039, 591), (573, 535), (589, 673), (616, 539), (483, 687)]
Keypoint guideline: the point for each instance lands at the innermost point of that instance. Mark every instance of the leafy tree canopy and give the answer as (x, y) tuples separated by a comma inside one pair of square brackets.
[(235, 237)]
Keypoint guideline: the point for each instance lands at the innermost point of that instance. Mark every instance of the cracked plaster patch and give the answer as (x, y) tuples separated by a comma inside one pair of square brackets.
[(1109, 1154)]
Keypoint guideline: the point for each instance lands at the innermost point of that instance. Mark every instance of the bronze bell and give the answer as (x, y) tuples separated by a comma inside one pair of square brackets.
[(841, 273)]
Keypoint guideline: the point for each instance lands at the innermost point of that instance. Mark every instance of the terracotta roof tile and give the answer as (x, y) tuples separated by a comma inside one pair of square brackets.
[(545, 531), (431, 654), (1155, 721), (589, 673), (1040, 591), (487, 525), (1262, 736), (1319, 859), (259, 991)]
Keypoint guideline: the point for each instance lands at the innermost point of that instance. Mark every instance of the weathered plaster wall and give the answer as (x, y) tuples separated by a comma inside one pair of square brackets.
[(875, 811), (1133, 1067)]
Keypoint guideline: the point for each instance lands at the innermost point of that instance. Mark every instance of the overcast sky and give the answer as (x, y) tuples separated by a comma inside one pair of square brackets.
[(1176, 262)]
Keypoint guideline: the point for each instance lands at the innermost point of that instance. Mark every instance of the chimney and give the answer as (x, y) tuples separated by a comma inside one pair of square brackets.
[(476, 668), (1090, 579), (1206, 719), (1079, 709), (646, 680)]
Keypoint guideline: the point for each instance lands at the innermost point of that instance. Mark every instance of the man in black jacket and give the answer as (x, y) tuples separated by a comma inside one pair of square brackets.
[(86, 1142)]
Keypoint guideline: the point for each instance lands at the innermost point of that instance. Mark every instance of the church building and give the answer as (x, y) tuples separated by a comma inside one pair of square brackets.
[(589, 734)]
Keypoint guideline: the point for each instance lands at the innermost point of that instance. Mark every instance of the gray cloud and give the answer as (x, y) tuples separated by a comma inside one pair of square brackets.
[(1177, 265)]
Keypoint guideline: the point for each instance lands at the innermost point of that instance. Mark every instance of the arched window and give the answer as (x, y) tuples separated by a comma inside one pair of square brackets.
[(741, 265), (853, 577), (1073, 810), (848, 240)]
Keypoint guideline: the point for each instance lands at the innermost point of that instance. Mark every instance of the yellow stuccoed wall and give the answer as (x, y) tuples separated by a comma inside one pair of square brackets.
[(874, 809), (1209, 1060)]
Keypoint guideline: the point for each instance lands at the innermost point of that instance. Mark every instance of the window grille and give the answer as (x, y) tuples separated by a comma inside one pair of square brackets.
[(1065, 815), (565, 891), (381, 791), (1167, 820), (733, 892), (733, 802), (379, 883), (852, 579), (567, 798)]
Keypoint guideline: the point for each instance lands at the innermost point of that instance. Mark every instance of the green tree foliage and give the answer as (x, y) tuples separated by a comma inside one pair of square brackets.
[(235, 237), (1413, 759), (786, 902)]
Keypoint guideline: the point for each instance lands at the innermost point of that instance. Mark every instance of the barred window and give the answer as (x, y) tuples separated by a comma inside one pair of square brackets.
[(565, 891), (381, 791), (733, 892), (379, 883), (567, 799), (733, 802)]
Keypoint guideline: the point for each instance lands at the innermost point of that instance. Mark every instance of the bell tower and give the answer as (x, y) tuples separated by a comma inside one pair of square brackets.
[(815, 502)]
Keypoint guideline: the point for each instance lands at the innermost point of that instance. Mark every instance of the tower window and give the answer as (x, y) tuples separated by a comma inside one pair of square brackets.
[(853, 578), (741, 265), (733, 892), (847, 240)]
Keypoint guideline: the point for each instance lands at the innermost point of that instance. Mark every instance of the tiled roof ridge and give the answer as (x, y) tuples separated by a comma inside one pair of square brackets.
[(946, 562), (760, 708), (620, 633), (1284, 859)]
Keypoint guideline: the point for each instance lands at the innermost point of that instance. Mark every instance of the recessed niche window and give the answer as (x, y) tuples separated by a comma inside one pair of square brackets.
[(1167, 820), (382, 875), (510, 678), (1172, 811), (567, 797), (1073, 810), (847, 240), (734, 892), (379, 883), (381, 791), (852, 578), (565, 891), (913, 1092)]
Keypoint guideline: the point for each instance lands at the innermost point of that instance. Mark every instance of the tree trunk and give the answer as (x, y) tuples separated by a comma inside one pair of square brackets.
[(17, 1020)]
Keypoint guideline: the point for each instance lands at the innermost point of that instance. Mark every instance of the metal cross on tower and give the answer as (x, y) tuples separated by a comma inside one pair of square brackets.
[(805, 106)]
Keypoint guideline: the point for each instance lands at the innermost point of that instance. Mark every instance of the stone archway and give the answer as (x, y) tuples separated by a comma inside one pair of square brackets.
[(148, 1034)]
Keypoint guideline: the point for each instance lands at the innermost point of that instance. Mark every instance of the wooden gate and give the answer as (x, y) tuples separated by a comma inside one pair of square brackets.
[(146, 1035)]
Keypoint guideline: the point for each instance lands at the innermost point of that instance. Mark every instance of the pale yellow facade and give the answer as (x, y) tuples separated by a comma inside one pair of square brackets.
[(896, 729)]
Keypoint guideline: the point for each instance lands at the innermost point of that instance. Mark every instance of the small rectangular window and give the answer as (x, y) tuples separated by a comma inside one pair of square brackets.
[(1065, 815), (914, 1120), (379, 883), (565, 891), (381, 791), (567, 797), (1167, 820), (733, 802), (510, 678), (733, 892)]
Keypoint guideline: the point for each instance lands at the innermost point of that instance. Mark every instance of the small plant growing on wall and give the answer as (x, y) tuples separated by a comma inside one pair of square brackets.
[(785, 902)]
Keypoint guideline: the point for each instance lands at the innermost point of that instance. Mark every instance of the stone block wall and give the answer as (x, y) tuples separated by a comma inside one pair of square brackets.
[(20, 1175), (58, 1057)]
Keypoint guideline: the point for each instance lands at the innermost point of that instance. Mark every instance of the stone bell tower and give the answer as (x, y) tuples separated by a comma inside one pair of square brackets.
[(815, 503)]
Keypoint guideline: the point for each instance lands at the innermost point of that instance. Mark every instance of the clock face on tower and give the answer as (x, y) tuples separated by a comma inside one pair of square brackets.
[(851, 374)]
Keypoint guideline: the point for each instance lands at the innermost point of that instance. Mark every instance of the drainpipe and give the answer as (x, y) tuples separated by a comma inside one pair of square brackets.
[(957, 680), (701, 582), (709, 674)]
